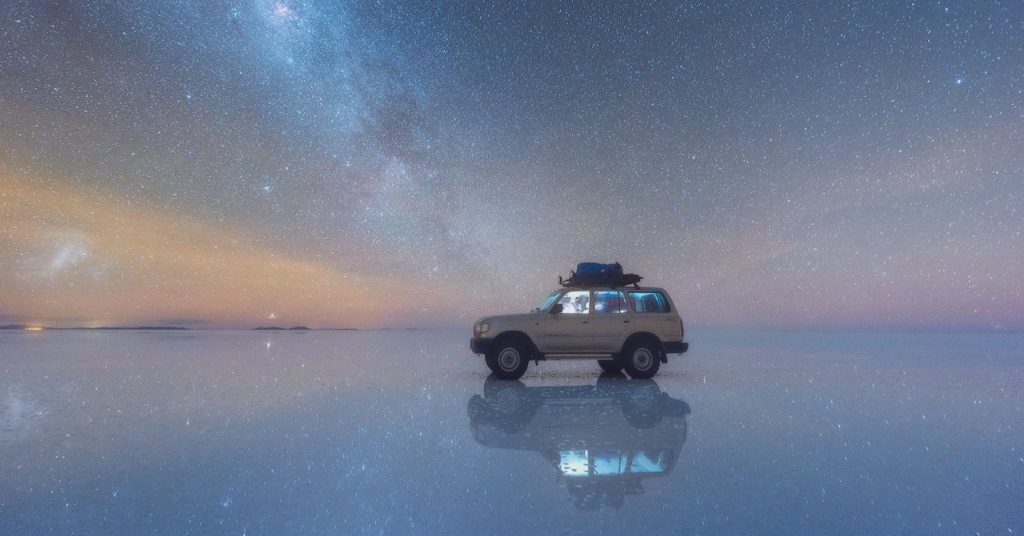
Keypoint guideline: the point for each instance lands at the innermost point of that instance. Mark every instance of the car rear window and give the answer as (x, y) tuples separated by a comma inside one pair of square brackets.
[(649, 302)]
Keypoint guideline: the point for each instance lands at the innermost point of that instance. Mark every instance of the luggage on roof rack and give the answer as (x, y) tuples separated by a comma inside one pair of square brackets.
[(595, 273)]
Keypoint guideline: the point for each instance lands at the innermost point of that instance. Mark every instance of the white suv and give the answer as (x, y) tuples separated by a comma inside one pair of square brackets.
[(622, 328)]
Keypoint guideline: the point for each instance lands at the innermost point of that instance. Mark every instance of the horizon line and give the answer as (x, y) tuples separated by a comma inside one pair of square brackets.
[(880, 329)]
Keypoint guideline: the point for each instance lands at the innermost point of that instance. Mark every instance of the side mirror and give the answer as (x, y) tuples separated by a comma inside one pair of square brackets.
[(556, 308)]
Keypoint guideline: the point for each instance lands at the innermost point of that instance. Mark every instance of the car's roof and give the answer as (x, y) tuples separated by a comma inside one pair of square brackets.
[(629, 288)]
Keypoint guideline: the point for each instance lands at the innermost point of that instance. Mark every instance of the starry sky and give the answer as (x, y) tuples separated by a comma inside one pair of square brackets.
[(793, 165)]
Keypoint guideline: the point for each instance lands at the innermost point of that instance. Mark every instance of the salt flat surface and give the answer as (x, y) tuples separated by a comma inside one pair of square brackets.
[(401, 432)]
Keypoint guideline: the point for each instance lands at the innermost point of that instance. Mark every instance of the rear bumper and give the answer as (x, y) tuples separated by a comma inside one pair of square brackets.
[(481, 345), (675, 347)]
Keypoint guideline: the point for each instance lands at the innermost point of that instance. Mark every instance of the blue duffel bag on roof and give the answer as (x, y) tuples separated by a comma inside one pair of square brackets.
[(597, 269)]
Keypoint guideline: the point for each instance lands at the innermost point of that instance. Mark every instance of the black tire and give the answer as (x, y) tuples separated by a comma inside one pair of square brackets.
[(609, 365), (641, 359), (508, 358)]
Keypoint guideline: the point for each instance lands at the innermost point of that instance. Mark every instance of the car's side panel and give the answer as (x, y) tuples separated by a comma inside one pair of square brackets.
[(665, 326), (611, 330), (567, 333)]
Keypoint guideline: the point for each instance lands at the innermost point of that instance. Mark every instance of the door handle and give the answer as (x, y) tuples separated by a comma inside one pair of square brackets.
[(625, 321), (586, 321)]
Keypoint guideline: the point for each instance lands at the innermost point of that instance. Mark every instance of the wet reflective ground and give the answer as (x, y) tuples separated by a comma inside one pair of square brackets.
[(402, 432)]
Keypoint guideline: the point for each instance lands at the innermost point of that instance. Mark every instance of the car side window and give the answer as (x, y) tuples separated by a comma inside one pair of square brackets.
[(648, 302), (609, 301), (575, 302)]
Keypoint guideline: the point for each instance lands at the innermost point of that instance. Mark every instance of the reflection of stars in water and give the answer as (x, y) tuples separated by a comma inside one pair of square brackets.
[(283, 11)]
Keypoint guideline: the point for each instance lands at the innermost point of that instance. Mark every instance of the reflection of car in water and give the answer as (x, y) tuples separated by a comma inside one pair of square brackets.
[(603, 439)]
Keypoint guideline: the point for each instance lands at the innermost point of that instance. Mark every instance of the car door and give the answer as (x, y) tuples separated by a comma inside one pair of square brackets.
[(570, 330), (611, 319)]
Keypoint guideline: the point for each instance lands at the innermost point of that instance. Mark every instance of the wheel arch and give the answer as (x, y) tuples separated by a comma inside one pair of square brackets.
[(517, 336), (649, 337)]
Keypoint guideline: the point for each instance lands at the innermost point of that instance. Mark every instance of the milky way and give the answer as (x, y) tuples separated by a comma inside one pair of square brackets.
[(800, 165)]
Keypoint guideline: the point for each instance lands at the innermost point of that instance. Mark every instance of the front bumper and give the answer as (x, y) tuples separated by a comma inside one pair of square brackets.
[(480, 345), (675, 347)]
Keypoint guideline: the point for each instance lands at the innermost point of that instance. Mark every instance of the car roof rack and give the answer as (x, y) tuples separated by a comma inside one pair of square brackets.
[(590, 274)]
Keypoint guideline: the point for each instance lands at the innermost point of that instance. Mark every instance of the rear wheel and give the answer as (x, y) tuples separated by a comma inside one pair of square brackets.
[(508, 359), (640, 359)]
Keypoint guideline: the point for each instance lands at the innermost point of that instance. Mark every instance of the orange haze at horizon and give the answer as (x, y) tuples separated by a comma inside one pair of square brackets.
[(74, 256)]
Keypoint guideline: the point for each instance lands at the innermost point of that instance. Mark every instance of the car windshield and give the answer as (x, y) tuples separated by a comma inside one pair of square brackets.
[(549, 300)]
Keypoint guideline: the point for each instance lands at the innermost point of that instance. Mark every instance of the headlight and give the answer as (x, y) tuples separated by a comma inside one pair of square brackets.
[(484, 326)]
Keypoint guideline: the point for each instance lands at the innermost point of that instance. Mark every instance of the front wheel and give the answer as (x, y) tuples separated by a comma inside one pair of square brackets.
[(640, 359), (508, 359)]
